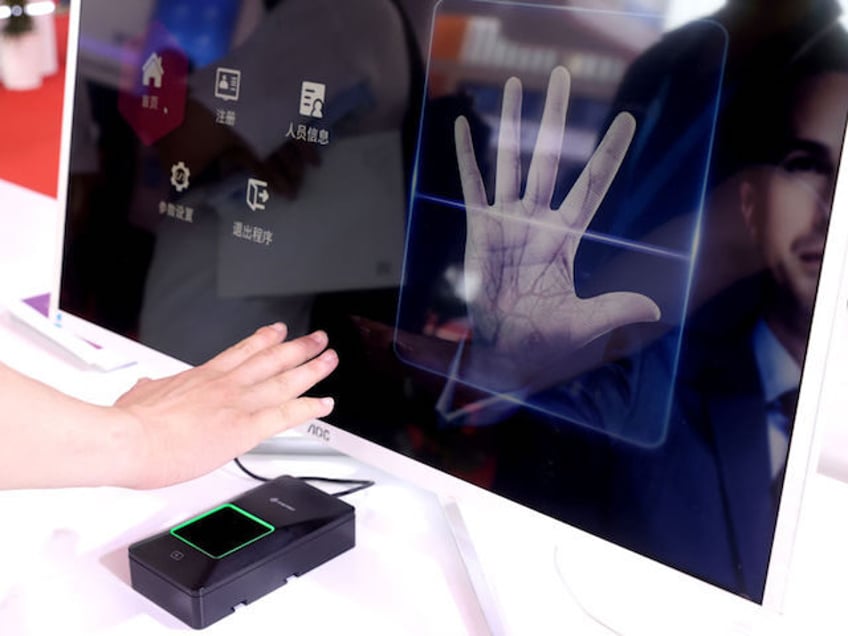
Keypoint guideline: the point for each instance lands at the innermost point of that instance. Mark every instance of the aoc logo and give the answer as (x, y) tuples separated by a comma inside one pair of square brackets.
[(321, 432)]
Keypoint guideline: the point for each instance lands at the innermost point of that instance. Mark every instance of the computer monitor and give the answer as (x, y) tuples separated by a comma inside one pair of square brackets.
[(597, 326)]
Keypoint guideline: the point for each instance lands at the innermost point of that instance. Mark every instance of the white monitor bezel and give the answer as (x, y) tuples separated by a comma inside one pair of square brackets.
[(691, 593)]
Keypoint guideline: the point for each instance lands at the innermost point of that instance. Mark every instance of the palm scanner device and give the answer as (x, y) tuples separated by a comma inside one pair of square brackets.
[(206, 567)]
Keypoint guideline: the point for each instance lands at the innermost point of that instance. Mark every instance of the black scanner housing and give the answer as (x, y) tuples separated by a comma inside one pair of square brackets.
[(310, 527)]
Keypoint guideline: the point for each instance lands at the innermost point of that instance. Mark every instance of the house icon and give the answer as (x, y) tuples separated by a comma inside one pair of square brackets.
[(152, 71)]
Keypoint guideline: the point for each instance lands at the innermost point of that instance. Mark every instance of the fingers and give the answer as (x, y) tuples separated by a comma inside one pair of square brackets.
[(263, 338), (473, 190), (588, 192), (508, 174), (291, 384), (541, 177), (279, 358), (293, 413)]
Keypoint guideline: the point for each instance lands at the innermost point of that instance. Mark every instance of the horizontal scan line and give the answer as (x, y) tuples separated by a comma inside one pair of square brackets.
[(607, 239)]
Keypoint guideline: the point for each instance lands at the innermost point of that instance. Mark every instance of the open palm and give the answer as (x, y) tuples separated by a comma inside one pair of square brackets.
[(519, 254)]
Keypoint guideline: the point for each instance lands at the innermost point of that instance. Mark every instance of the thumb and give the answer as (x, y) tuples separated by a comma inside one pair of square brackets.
[(616, 309)]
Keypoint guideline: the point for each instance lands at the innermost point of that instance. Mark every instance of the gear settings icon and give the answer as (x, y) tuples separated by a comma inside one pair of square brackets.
[(180, 175)]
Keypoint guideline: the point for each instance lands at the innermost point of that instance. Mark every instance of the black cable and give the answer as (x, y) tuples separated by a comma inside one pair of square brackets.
[(357, 484), (250, 472)]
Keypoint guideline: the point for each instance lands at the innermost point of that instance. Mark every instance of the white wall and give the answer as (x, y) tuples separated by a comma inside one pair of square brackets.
[(680, 11)]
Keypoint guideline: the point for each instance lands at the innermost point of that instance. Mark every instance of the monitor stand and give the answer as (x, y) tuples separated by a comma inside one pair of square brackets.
[(486, 600), (560, 604), (595, 587), (631, 599)]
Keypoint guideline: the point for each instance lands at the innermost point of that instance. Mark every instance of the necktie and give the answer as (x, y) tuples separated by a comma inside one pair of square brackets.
[(784, 408), (782, 417)]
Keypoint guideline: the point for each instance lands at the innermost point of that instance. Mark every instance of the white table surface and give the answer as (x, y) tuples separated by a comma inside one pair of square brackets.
[(63, 553)]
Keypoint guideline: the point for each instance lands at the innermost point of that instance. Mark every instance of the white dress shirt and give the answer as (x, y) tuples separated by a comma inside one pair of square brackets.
[(779, 373)]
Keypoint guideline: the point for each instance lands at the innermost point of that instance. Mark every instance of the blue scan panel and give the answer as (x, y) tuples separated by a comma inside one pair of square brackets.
[(478, 274)]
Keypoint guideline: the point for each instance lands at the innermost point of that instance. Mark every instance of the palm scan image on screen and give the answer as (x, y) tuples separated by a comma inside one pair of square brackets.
[(564, 253), (548, 275)]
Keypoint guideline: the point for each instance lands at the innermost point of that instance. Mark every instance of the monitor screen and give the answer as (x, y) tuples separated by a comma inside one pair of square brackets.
[(565, 253)]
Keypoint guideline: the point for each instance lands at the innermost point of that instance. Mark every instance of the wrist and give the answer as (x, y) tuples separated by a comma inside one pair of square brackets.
[(117, 453)]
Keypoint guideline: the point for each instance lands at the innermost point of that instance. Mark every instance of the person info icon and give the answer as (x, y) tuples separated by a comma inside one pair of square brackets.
[(227, 84), (312, 95)]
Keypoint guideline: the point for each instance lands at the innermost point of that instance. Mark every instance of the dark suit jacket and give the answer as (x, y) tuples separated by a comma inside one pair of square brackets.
[(703, 501), (699, 498)]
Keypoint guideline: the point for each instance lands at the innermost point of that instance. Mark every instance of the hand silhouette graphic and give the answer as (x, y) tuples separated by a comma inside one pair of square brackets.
[(519, 253)]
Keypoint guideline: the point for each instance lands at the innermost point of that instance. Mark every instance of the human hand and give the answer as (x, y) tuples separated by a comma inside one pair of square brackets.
[(519, 252), (189, 424)]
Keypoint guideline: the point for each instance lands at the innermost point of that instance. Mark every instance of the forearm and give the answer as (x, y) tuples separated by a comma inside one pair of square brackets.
[(163, 431), (50, 439)]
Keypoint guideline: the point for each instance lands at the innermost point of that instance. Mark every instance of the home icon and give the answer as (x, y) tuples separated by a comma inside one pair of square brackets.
[(153, 71)]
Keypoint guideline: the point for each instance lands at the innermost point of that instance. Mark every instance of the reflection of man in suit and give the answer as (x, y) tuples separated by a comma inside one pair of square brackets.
[(205, 268), (706, 500)]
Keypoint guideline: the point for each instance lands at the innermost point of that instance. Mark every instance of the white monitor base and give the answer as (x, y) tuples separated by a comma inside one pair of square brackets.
[(626, 599), (605, 589)]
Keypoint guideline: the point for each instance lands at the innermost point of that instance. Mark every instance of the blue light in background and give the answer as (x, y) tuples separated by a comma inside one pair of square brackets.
[(202, 28)]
